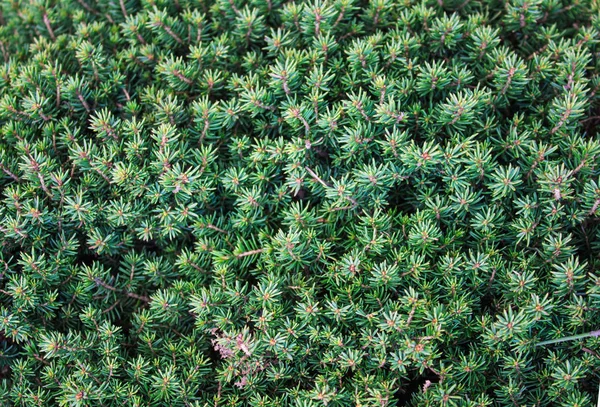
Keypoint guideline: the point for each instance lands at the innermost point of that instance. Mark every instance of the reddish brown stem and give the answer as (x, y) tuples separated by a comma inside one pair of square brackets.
[(249, 253)]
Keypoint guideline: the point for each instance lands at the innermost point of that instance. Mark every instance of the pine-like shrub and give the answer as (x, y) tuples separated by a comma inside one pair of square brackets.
[(299, 203)]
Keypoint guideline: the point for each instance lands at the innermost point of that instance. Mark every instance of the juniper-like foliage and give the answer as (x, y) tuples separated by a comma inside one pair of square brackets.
[(299, 203)]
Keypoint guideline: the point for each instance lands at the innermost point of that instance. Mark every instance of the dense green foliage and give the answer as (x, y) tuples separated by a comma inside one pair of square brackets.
[(309, 203)]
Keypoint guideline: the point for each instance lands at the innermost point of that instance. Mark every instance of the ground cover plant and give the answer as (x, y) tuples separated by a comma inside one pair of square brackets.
[(299, 203)]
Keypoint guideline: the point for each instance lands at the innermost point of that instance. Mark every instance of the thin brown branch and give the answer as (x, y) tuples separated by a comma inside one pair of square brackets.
[(9, 173), (87, 7), (49, 27), (44, 187), (109, 287), (249, 253), (316, 177), (170, 32), (138, 297), (85, 104), (213, 227), (320, 181), (123, 8), (182, 77), (109, 309), (594, 207)]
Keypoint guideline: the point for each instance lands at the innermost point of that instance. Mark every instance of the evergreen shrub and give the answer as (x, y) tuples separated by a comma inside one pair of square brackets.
[(299, 203)]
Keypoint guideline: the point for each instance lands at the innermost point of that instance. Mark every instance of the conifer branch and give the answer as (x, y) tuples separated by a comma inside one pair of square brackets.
[(123, 8), (320, 181), (49, 27), (169, 31), (9, 173), (87, 7), (249, 253), (109, 287), (182, 77)]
